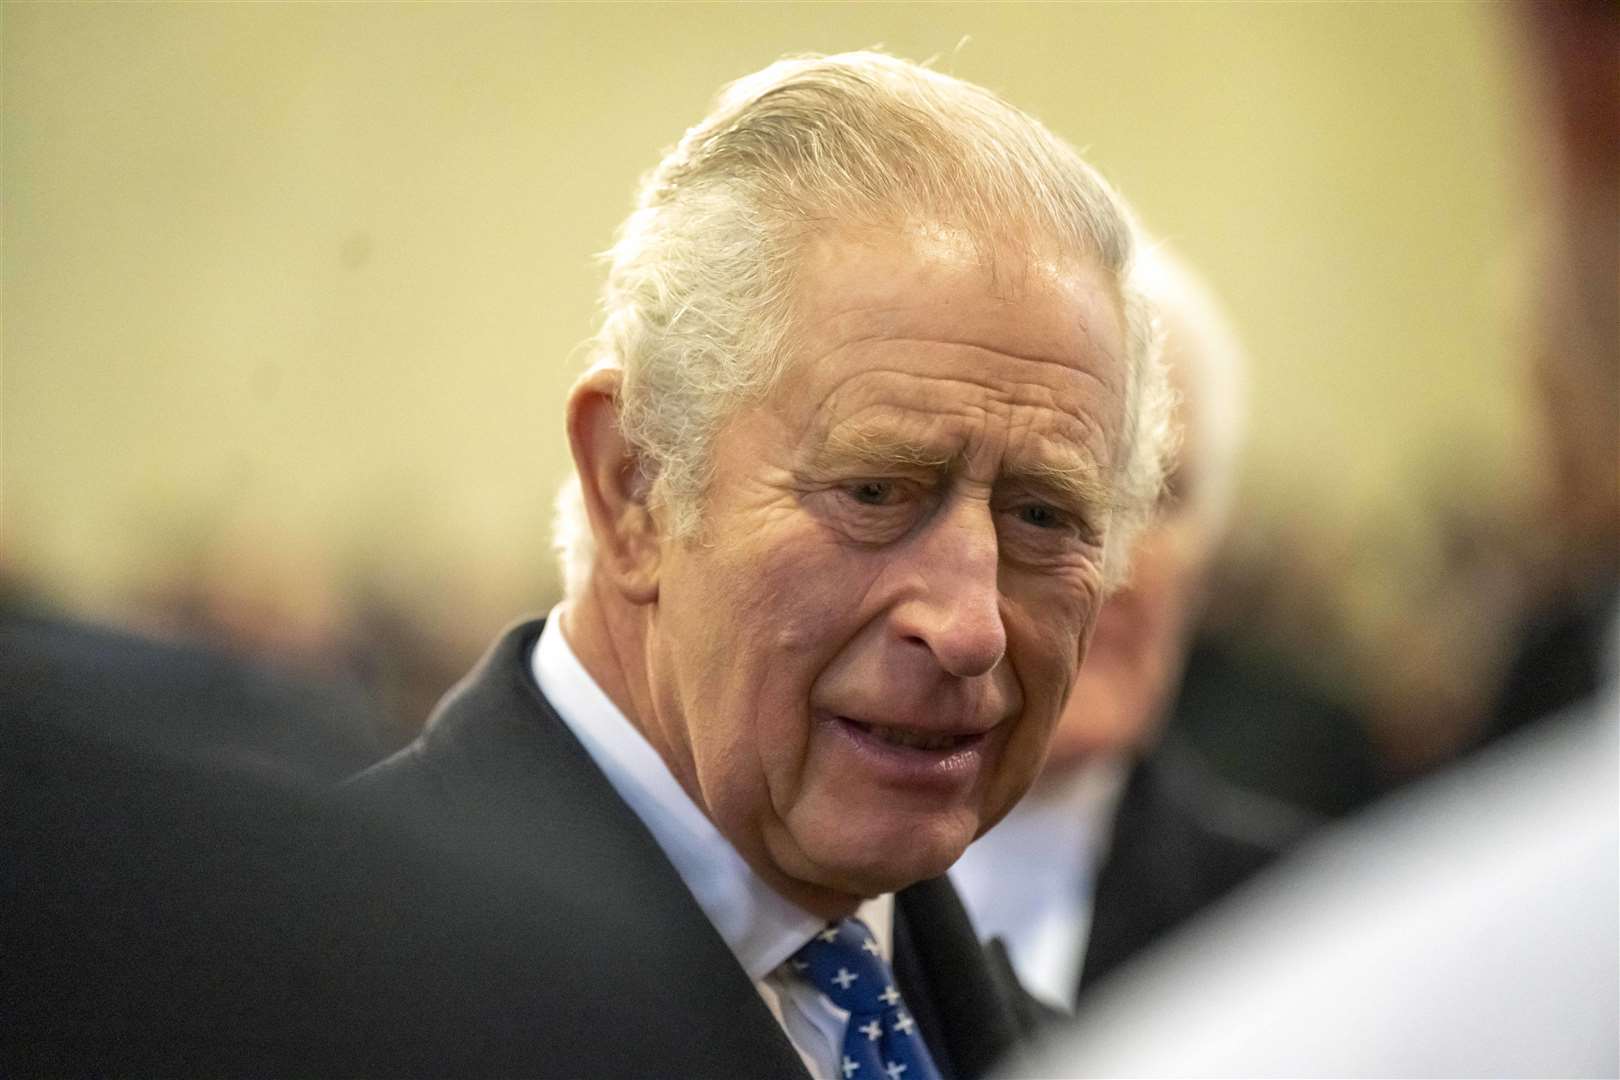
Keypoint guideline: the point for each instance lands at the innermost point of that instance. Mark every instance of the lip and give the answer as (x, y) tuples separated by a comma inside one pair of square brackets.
[(945, 770)]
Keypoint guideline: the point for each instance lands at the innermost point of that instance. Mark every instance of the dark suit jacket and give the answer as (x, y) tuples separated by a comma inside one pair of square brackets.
[(1183, 838), (498, 781), (1269, 726), (199, 703), (178, 899)]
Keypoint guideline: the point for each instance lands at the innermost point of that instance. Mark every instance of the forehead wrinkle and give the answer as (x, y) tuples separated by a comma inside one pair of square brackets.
[(1087, 348), (1034, 408), (1010, 393)]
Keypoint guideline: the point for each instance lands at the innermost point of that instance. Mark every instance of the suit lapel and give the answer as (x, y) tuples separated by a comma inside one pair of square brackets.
[(516, 779), (968, 1010)]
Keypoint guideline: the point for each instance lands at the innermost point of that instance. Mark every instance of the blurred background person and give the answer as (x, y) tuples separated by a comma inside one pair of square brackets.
[(1467, 926), (181, 696), (1463, 927), (1573, 332), (1273, 695), (1129, 833)]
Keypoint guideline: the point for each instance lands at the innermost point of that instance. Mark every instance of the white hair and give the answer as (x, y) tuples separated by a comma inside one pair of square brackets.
[(1201, 352), (697, 303)]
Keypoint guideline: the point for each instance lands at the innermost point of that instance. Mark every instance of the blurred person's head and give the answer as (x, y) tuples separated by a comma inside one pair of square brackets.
[(1139, 650), (873, 414), (1574, 59)]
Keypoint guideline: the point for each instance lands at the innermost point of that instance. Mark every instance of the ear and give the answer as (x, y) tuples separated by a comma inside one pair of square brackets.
[(616, 487)]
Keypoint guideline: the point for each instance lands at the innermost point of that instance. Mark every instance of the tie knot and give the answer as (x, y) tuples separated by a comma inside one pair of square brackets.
[(844, 962)]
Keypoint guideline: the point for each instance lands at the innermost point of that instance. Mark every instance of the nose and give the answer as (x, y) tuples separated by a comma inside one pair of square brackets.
[(953, 606)]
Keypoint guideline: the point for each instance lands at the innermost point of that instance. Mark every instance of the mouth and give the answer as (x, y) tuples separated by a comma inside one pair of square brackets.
[(914, 738), (913, 760)]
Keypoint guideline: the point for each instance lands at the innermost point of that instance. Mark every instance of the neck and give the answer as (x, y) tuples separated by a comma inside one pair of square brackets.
[(605, 639)]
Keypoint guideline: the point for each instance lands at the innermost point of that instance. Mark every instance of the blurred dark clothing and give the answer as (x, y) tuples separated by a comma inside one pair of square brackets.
[(174, 906), (1558, 658), (1182, 839), (1465, 926), (500, 778), (1265, 726), (168, 917), (185, 700)]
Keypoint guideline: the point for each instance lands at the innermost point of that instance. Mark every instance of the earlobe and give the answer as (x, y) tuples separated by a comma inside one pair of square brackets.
[(616, 485)]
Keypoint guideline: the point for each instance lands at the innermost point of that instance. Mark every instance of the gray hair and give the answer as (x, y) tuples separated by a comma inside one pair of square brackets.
[(1202, 351), (697, 303)]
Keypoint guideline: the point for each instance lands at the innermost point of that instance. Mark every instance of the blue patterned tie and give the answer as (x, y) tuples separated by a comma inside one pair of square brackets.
[(882, 1041)]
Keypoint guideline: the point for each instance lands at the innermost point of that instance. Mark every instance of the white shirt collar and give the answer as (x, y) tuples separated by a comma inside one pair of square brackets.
[(762, 927)]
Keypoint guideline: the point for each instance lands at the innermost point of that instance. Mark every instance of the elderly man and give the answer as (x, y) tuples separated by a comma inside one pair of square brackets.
[(1124, 838), (872, 414)]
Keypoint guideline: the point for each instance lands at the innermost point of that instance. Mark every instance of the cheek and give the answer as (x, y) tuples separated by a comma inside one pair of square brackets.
[(799, 598), (1044, 664), (775, 614), (1047, 635), (1063, 667), (1054, 623), (1046, 661)]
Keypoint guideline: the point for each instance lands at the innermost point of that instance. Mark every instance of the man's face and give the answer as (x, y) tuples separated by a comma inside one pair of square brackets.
[(856, 667)]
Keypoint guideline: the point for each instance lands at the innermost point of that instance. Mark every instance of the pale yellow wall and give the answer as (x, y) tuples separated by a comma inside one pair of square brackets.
[(314, 276)]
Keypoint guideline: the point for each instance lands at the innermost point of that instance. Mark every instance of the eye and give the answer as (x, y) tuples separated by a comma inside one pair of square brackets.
[(1042, 516), (871, 492)]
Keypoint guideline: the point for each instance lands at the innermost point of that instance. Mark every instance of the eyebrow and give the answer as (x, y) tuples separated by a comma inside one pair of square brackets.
[(1073, 483), (879, 449)]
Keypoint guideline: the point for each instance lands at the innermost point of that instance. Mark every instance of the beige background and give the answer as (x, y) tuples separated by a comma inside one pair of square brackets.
[(304, 284)]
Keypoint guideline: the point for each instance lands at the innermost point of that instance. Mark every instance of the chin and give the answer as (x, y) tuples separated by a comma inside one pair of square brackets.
[(886, 860)]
